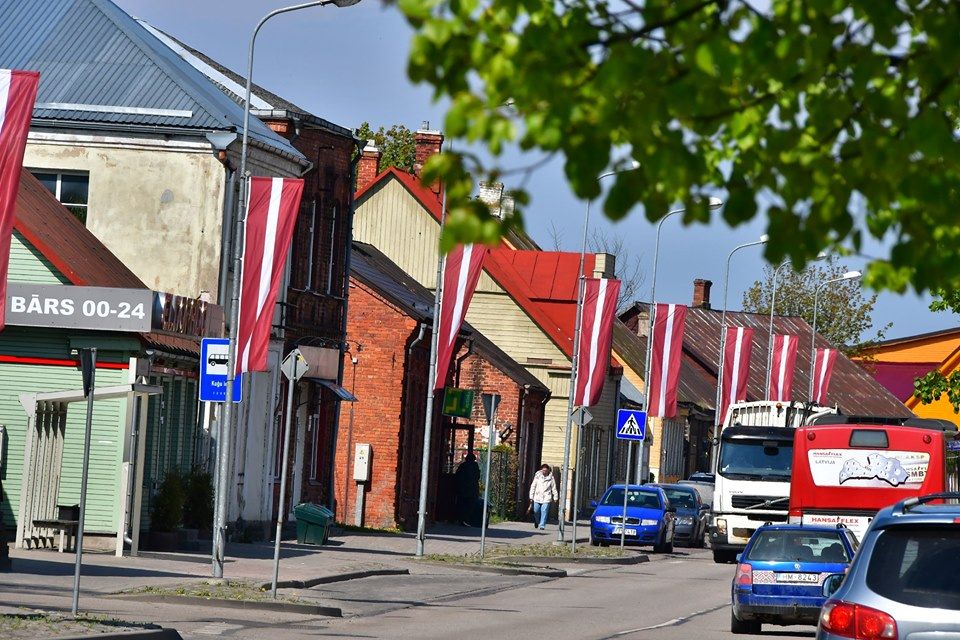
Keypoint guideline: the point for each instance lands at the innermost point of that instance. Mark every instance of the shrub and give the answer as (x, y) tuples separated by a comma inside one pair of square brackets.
[(167, 512), (198, 505)]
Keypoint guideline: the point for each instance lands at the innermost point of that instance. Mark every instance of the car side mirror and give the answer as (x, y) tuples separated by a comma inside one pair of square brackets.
[(831, 584), (593, 504)]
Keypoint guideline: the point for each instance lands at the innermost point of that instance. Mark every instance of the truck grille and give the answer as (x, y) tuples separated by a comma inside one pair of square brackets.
[(754, 502)]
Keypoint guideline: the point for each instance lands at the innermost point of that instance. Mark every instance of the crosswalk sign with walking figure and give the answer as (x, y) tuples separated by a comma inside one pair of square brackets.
[(631, 425)]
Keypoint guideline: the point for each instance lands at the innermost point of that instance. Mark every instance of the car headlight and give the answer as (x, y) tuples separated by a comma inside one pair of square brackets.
[(648, 523), (721, 524), (602, 519), (685, 520)]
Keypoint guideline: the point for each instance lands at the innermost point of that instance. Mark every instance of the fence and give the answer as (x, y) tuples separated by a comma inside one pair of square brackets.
[(503, 480)]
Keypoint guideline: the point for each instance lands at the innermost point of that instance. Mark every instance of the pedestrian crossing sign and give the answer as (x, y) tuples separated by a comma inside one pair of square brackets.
[(631, 425)]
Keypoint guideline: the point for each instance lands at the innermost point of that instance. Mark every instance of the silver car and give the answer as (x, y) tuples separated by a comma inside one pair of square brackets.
[(904, 583)]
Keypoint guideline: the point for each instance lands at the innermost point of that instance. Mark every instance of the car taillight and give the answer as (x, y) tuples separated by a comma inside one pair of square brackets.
[(744, 575), (857, 621)]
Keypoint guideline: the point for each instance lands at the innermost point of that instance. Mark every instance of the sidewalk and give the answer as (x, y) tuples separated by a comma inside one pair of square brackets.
[(348, 552)]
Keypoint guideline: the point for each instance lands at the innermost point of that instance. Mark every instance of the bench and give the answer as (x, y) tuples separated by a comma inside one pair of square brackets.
[(66, 524)]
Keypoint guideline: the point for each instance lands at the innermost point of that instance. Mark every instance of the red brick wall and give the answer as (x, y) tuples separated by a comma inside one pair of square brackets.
[(383, 412)]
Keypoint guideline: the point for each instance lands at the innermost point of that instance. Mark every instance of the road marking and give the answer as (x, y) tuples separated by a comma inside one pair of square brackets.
[(669, 623), (217, 628)]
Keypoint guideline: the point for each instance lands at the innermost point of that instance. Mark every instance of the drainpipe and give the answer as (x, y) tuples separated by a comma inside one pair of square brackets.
[(416, 341), (522, 453), (347, 252)]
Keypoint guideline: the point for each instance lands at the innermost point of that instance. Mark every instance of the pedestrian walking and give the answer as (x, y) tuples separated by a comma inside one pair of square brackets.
[(543, 491), (467, 484)]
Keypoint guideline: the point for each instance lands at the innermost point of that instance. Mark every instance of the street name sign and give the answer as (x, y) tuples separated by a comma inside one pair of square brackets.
[(631, 425), (214, 353), (94, 308)]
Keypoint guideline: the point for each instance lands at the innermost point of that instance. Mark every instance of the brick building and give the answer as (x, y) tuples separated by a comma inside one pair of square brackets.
[(386, 369)]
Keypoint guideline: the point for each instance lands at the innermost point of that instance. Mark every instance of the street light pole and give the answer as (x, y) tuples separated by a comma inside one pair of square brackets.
[(849, 275), (565, 467), (644, 460), (718, 419), (224, 446)]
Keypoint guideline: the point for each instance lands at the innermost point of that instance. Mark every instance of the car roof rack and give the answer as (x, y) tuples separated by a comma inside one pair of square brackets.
[(905, 505)]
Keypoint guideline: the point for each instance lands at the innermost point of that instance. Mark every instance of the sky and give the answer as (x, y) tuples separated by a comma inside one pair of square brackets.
[(349, 66)]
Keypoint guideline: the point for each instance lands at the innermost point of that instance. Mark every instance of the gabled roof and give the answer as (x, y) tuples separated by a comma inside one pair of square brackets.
[(263, 103), (920, 337), (381, 274), (851, 388), (100, 68), (65, 242), (542, 283)]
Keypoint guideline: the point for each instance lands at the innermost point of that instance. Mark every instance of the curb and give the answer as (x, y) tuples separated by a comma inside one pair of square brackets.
[(215, 603), (146, 634), (340, 577), (638, 558), (513, 570)]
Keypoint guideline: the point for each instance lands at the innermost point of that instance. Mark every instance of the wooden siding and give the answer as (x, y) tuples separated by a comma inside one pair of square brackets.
[(29, 265), (932, 349)]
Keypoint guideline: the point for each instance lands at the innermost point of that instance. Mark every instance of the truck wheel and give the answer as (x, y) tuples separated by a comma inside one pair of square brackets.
[(740, 627), (722, 556)]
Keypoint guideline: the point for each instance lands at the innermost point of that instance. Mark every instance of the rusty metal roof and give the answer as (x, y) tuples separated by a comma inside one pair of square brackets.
[(852, 389)]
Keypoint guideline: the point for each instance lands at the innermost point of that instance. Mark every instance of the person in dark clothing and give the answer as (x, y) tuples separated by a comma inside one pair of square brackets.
[(467, 481)]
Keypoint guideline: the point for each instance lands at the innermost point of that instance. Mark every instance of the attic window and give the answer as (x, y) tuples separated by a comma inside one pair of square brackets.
[(72, 189)]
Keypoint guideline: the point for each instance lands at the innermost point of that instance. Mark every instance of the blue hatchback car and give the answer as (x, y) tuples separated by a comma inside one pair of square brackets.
[(651, 519), (780, 574)]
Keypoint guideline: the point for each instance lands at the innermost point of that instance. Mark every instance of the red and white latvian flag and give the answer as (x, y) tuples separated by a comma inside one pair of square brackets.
[(782, 366), (18, 92), (822, 370), (272, 208), (668, 327), (596, 335), (461, 273), (736, 368)]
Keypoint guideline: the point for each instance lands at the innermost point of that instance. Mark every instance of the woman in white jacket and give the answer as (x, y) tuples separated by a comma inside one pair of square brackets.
[(543, 491)]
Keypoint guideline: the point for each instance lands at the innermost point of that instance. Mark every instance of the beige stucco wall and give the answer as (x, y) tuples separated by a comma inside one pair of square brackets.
[(156, 203)]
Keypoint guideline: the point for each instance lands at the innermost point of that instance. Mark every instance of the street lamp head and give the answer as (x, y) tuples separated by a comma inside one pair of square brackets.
[(850, 275), (764, 238), (344, 3), (822, 255), (633, 164), (714, 203)]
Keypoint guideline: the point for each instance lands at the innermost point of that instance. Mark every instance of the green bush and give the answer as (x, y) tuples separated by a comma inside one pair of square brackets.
[(198, 505), (167, 512)]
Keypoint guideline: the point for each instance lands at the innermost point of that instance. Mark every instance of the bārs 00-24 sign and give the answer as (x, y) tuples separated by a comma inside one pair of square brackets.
[(96, 308)]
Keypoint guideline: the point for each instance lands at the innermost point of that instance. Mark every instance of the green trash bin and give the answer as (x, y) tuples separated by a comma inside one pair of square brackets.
[(313, 523)]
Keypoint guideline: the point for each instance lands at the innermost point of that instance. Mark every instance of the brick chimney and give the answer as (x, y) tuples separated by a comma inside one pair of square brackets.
[(701, 293), (428, 142), (494, 195), (369, 166)]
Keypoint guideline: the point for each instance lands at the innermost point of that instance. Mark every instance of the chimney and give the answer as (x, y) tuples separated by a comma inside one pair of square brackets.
[(496, 197), (369, 166), (428, 142), (701, 293)]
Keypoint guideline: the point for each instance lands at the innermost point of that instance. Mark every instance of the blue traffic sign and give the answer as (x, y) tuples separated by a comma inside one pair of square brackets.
[(631, 425), (214, 353)]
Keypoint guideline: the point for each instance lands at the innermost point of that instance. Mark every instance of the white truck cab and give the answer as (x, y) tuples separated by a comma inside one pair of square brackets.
[(753, 466)]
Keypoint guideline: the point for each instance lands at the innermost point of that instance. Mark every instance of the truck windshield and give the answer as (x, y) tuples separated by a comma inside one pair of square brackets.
[(756, 460)]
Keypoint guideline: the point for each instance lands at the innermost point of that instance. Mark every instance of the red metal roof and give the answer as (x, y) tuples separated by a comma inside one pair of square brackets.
[(851, 388)]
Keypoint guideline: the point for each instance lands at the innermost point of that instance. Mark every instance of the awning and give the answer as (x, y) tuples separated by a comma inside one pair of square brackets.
[(339, 391)]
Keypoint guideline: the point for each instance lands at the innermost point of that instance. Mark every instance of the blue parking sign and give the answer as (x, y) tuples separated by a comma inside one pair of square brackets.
[(631, 425), (214, 353)]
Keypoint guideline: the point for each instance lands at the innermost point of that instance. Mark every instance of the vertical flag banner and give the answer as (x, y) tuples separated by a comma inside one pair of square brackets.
[(18, 93), (272, 208), (596, 335), (461, 273), (736, 368), (782, 367), (822, 370), (669, 322)]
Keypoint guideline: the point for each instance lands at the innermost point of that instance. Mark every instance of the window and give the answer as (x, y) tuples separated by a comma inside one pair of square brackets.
[(798, 546), (639, 499), (756, 460), (71, 189), (917, 566)]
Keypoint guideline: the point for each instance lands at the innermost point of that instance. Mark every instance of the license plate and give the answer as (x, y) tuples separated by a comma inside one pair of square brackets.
[(617, 530), (803, 578)]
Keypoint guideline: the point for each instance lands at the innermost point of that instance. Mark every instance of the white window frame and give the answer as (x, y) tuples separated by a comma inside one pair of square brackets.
[(60, 173)]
